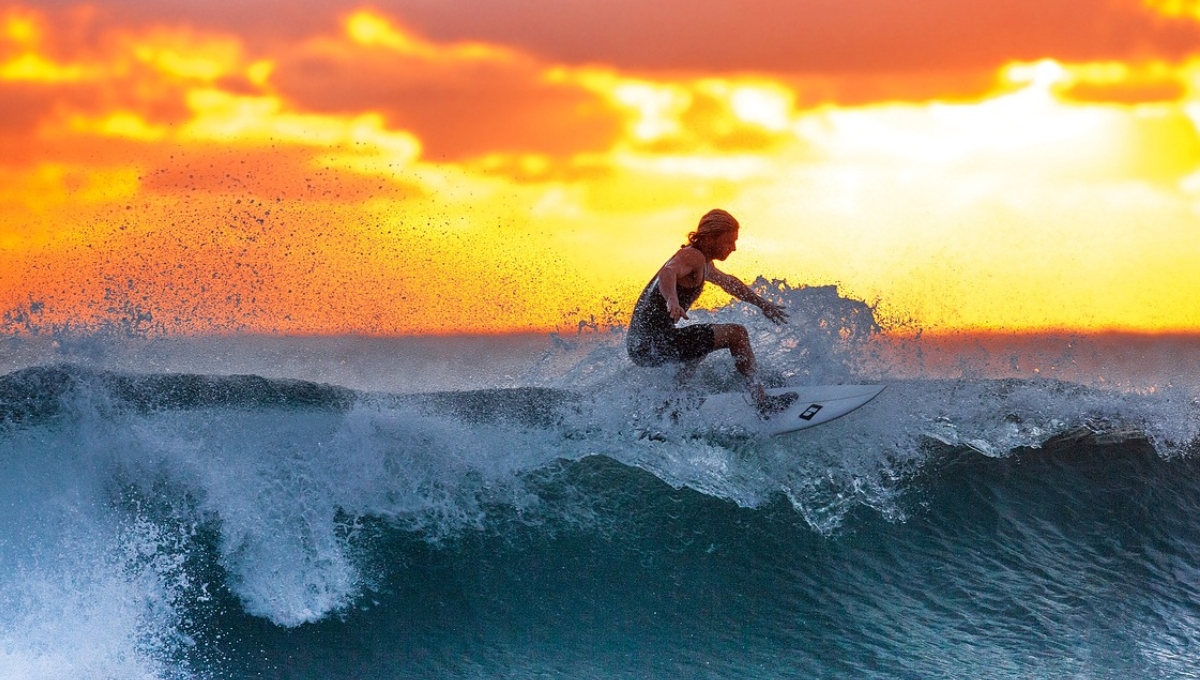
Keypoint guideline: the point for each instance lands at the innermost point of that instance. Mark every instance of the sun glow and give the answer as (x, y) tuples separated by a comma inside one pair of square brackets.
[(186, 57), (656, 108), (372, 30), (767, 105), (368, 178), (1176, 8)]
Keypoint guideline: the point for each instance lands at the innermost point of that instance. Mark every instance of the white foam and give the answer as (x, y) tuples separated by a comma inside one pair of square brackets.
[(85, 591)]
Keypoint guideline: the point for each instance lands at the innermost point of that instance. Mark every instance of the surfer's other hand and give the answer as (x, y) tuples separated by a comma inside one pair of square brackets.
[(676, 311), (775, 312)]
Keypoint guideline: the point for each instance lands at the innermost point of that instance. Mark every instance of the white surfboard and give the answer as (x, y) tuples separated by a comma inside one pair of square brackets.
[(818, 404)]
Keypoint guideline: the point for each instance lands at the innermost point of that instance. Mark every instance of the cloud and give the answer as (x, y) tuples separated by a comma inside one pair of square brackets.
[(797, 37), (811, 36), (1122, 83), (22, 106), (402, 168), (454, 100), (459, 100), (833, 51)]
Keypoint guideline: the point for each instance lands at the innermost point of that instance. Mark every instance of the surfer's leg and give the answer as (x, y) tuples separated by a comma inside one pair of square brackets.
[(734, 337), (690, 344), (686, 371)]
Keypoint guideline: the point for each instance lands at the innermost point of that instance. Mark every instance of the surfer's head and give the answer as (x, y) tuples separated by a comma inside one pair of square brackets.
[(716, 235)]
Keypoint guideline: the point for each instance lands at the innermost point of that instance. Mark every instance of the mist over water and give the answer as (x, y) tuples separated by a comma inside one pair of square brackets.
[(239, 506)]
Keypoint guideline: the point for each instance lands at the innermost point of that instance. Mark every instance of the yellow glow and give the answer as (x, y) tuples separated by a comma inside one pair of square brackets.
[(22, 29), (367, 28), (260, 72), (185, 56), (228, 117), (35, 68), (370, 149), (1104, 72), (1030, 120), (765, 104), (1041, 75), (119, 124), (223, 116), (1068, 197), (703, 115), (657, 107), (52, 186), (1175, 8), (734, 168), (370, 29)]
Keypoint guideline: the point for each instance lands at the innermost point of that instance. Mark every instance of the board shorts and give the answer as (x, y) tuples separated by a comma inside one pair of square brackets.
[(672, 345)]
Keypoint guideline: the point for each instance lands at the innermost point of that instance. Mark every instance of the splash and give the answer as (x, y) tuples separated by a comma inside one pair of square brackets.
[(827, 340), (288, 477)]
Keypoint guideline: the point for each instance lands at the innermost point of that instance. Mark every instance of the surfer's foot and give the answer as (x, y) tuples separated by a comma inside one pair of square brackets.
[(686, 372), (770, 404), (669, 408)]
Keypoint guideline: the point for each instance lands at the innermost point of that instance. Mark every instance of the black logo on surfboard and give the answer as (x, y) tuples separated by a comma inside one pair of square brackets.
[(810, 412)]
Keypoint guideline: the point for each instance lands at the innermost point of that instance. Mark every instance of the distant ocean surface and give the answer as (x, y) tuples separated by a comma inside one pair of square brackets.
[(537, 507)]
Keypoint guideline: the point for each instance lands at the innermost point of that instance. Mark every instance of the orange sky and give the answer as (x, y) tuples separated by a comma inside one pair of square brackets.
[(420, 166)]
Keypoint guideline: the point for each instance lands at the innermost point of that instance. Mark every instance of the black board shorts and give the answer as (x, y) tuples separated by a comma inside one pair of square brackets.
[(672, 345)]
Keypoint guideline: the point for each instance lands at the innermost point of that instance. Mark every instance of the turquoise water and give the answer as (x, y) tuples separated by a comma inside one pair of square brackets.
[(528, 508)]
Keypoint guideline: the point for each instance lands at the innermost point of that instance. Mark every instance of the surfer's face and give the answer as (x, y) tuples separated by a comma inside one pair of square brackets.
[(724, 244)]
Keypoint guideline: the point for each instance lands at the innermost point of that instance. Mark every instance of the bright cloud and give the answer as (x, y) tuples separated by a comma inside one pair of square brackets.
[(363, 176)]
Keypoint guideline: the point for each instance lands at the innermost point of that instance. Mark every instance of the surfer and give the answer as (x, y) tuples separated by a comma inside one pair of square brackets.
[(654, 339)]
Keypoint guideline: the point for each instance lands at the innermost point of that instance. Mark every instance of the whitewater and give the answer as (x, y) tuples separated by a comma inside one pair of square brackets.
[(535, 506)]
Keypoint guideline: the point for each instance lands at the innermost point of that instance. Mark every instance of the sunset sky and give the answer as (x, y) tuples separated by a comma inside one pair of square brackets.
[(442, 166)]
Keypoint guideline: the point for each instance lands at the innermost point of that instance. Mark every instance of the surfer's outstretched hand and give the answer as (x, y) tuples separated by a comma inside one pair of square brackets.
[(774, 312)]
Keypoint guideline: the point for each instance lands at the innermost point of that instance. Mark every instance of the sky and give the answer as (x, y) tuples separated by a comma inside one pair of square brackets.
[(453, 166)]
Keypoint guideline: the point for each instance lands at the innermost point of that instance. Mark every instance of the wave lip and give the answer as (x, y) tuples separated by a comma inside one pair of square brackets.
[(33, 395)]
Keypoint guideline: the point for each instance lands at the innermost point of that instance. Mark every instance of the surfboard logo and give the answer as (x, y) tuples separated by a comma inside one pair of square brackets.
[(811, 411)]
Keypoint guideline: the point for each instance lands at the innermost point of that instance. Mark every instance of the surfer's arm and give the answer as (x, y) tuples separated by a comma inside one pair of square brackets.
[(679, 266), (735, 287), (666, 286)]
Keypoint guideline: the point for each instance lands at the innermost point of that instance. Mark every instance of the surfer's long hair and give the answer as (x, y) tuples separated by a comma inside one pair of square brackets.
[(715, 221)]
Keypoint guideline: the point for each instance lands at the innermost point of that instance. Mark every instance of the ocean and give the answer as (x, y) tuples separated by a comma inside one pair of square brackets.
[(536, 507)]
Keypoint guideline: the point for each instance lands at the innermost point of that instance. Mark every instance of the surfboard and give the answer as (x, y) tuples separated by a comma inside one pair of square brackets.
[(817, 405)]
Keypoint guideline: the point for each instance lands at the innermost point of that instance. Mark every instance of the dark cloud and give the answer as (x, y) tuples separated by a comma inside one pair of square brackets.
[(458, 108), (770, 36), (22, 106), (263, 24), (809, 36), (846, 52), (25, 107)]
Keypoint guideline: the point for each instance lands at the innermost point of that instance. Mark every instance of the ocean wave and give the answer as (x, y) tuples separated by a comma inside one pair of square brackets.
[(34, 394), (295, 495), (180, 506)]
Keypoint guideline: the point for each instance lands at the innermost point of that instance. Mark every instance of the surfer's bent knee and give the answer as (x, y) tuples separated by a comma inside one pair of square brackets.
[(730, 336)]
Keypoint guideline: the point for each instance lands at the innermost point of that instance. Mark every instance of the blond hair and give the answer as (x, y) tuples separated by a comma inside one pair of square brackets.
[(715, 221)]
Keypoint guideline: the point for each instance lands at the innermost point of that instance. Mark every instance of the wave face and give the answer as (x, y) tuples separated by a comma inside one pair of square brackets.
[(554, 512)]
